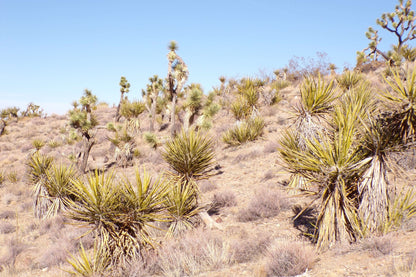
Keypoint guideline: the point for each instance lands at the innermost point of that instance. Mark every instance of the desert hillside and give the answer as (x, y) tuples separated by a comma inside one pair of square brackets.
[(260, 223)]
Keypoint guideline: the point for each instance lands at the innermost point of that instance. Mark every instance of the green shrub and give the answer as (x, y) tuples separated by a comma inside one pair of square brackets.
[(244, 131)]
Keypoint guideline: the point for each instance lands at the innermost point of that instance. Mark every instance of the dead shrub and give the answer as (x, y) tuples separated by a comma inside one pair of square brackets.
[(195, 252), (221, 200), (265, 204), (270, 147), (55, 254), (13, 248), (7, 227), (248, 249), (7, 215), (288, 259), (378, 246), (206, 186)]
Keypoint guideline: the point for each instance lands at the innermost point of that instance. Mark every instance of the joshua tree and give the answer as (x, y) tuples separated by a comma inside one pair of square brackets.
[(401, 23), (152, 93), (193, 104), (177, 76), (124, 88), (84, 121)]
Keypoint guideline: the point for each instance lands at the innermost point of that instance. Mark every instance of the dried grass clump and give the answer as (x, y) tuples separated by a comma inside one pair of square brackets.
[(196, 252), (7, 227), (13, 248), (289, 259), (265, 204), (249, 248), (379, 246), (221, 200)]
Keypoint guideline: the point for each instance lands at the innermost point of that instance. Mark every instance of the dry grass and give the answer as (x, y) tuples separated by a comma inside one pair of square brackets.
[(289, 259), (220, 200), (249, 247), (265, 204), (7, 227), (379, 246), (198, 251)]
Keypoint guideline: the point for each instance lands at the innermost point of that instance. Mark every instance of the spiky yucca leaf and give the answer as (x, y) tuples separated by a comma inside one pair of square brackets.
[(58, 188), (240, 108), (348, 80), (316, 96), (151, 139), (402, 93), (244, 131), (189, 154), (143, 203), (333, 163), (97, 201), (38, 165), (83, 265), (182, 205)]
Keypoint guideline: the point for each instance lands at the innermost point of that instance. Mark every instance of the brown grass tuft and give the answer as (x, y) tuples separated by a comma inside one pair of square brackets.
[(265, 204), (289, 259), (378, 246)]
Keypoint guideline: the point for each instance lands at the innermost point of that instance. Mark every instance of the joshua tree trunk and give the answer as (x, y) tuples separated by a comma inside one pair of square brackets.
[(2, 126), (153, 112), (173, 115), (118, 116), (83, 159)]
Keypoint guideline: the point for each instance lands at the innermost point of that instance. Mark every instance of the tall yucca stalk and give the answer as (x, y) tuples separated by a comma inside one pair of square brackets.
[(121, 212), (402, 93), (331, 162)]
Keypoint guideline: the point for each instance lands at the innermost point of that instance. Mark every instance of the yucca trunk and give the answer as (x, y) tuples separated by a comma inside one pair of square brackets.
[(337, 220), (153, 112), (42, 201), (118, 116), (82, 163), (373, 195)]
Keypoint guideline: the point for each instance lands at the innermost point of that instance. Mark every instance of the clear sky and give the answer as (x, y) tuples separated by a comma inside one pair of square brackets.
[(50, 51)]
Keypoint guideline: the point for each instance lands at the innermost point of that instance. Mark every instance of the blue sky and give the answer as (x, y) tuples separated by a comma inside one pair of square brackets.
[(50, 51)]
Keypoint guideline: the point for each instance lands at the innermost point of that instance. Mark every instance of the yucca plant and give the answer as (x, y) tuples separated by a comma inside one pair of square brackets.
[(182, 205), (333, 165), (124, 143), (240, 108), (86, 266), (38, 144), (57, 187), (317, 99), (402, 94), (190, 155), (151, 139), (120, 211), (377, 141), (244, 131), (38, 165), (348, 80)]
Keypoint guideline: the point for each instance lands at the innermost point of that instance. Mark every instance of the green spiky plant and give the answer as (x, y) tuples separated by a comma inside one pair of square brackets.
[(209, 110), (124, 88), (151, 139), (332, 164), (182, 206), (317, 98), (176, 79), (84, 265), (402, 95), (84, 121), (38, 165), (119, 211), (58, 186), (190, 156), (244, 131), (38, 144), (348, 80), (32, 110)]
